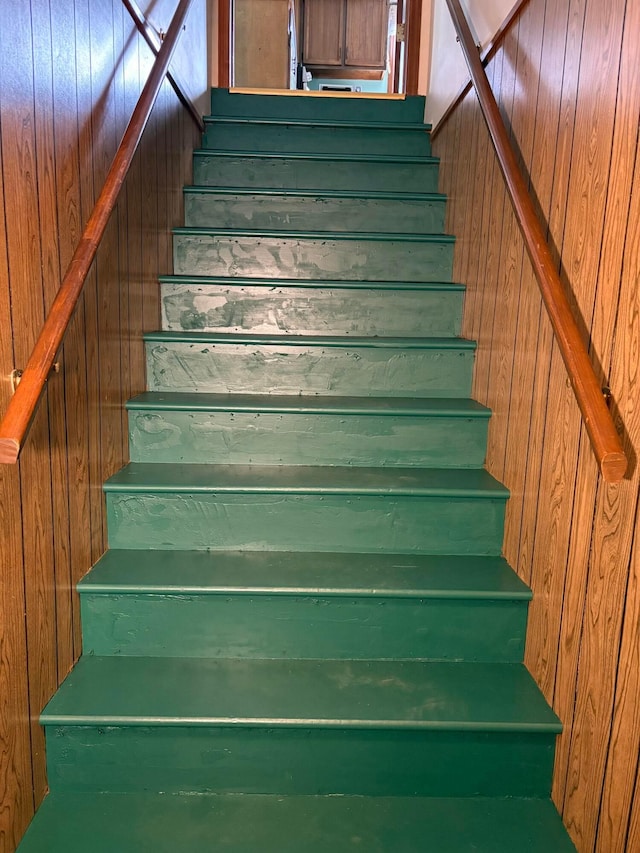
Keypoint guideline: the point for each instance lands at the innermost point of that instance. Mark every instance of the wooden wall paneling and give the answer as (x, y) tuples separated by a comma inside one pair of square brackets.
[(532, 329), (492, 232), (134, 198), (615, 508), (85, 147), (570, 29), (74, 358), (480, 199), (50, 264), (563, 568), (462, 175), (149, 206), (122, 23), (105, 128), (164, 242), (633, 834), (486, 214), (23, 249), (16, 782), (624, 745), (504, 370), (492, 283), (449, 180)]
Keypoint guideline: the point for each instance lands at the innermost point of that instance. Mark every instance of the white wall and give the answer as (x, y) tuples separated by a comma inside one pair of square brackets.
[(448, 69), (190, 59)]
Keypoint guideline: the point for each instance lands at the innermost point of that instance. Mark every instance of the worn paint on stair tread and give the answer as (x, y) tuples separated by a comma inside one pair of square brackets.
[(291, 368), (259, 309), (308, 212), (311, 258), (232, 170)]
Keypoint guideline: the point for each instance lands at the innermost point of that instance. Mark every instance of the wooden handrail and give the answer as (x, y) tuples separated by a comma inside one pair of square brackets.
[(601, 429), (23, 404)]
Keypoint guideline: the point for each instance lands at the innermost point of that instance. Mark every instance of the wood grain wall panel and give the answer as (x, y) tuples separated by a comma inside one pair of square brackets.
[(605, 582), (624, 744), (503, 386), (575, 121), (532, 329), (16, 786), (69, 79)]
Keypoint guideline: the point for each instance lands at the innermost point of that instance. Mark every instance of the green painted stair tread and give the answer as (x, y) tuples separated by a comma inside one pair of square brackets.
[(375, 195), (289, 573), (321, 158), (409, 108), (232, 169), (391, 406), (320, 211), (285, 136), (360, 694), (320, 254), (338, 284), (213, 338), (244, 823), (316, 122), (346, 236), (450, 483)]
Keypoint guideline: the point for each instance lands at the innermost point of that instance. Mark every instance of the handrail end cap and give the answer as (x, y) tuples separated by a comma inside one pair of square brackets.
[(613, 467), (9, 451)]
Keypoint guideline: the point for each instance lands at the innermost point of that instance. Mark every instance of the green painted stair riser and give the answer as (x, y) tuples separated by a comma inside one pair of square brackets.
[(298, 760), (197, 252), (302, 368), (285, 138), (409, 109), (308, 212), (305, 522), (264, 438), (309, 173), (309, 626), (268, 308)]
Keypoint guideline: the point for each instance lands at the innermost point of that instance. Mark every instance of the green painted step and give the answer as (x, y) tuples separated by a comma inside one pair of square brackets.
[(419, 213), (386, 309), (304, 508), (294, 430), (288, 605), (299, 364), (318, 107), (239, 823), (312, 255), (315, 172), (315, 137), (365, 727)]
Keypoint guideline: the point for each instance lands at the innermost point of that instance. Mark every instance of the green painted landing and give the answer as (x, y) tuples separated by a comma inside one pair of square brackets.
[(148, 823)]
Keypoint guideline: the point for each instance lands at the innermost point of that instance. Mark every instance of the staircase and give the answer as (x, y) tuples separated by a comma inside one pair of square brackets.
[(303, 637)]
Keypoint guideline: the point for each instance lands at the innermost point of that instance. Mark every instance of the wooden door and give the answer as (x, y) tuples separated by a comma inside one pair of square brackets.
[(366, 33), (323, 32)]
